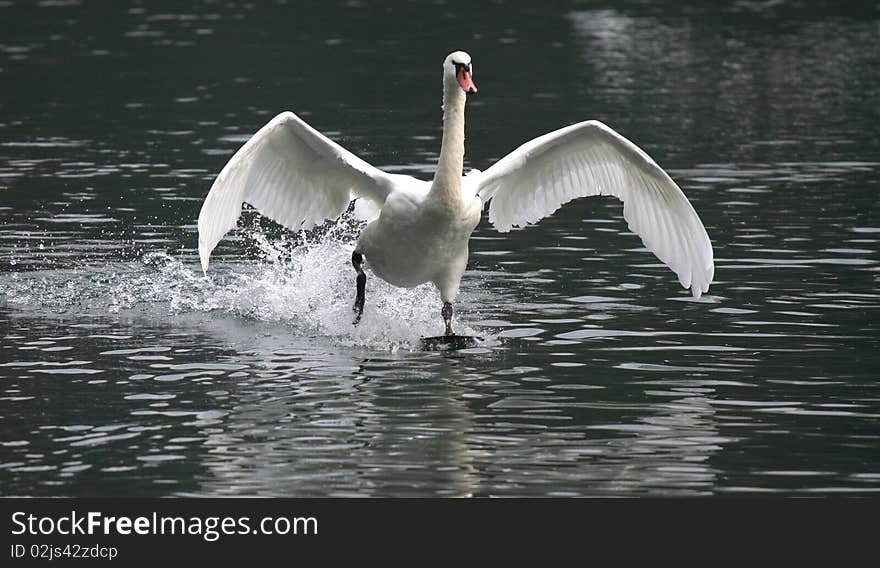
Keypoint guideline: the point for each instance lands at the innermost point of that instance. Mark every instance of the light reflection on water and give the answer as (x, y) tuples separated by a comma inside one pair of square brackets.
[(124, 371)]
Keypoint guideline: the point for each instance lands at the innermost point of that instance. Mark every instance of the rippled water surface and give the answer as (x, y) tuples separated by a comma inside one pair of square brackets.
[(123, 370)]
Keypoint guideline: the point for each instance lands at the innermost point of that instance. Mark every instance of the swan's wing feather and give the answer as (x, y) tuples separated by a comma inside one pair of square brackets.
[(292, 174), (589, 158)]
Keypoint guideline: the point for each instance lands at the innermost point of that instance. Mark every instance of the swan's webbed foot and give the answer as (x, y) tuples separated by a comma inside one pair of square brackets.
[(357, 260), (447, 317)]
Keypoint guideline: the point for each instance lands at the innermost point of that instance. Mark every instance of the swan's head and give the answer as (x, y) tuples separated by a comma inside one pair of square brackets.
[(458, 68)]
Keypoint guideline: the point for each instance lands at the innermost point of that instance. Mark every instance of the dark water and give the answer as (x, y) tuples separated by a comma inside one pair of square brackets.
[(124, 371)]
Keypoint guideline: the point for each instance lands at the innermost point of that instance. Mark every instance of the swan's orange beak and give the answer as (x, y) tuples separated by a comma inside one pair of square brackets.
[(466, 81)]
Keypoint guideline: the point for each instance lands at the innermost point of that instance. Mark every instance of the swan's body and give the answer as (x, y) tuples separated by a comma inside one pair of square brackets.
[(418, 231), (416, 240)]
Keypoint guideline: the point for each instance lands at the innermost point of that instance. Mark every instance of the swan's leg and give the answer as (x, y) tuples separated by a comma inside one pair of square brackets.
[(357, 260), (447, 317)]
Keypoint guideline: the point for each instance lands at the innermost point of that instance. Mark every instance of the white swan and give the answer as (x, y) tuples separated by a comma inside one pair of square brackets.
[(419, 230)]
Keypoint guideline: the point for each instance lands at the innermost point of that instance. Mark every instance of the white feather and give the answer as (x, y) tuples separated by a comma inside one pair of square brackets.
[(292, 174), (587, 159)]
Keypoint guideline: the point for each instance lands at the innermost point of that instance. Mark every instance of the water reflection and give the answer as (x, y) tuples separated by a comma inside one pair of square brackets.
[(275, 420)]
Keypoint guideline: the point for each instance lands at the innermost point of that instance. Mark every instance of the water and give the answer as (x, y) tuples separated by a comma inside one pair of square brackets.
[(124, 371)]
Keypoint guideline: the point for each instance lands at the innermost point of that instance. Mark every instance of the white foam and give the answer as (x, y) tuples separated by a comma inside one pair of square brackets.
[(308, 285)]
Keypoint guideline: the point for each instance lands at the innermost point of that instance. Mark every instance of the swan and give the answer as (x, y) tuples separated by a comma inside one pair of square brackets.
[(418, 231)]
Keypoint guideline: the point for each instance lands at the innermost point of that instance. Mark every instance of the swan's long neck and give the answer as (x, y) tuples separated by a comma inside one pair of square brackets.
[(447, 180)]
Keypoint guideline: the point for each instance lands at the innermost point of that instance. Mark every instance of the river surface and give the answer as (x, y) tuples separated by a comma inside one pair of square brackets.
[(125, 371)]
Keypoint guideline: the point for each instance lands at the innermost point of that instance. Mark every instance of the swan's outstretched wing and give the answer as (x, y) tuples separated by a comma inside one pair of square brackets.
[(589, 158), (292, 174)]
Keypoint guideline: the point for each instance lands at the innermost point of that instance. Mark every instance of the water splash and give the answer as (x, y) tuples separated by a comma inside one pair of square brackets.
[(303, 281)]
